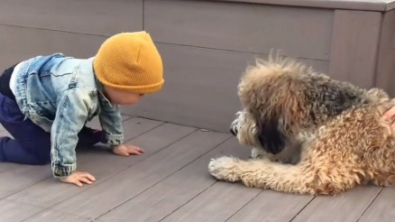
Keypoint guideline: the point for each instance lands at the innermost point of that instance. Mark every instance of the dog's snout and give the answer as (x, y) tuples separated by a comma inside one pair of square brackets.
[(233, 131)]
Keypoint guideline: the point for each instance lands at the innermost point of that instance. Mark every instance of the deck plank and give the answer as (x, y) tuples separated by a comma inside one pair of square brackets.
[(95, 123), (54, 216), (129, 183), (103, 165), (11, 211), (271, 206), (173, 192), (21, 177), (133, 127), (217, 203), (346, 207), (383, 207)]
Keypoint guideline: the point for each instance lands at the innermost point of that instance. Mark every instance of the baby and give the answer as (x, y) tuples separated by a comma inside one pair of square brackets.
[(46, 101)]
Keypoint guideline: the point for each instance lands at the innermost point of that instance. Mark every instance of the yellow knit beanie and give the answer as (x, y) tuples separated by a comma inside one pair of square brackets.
[(130, 62)]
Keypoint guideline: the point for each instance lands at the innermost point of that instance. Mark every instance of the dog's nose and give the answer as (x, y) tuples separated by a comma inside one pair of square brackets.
[(233, 131)]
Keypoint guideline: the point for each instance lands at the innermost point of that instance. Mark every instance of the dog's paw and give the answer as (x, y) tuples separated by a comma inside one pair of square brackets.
[(256, 154), (224, 168)]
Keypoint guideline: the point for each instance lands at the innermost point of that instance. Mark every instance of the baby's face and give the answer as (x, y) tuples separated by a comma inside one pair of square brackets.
[(119, 97)]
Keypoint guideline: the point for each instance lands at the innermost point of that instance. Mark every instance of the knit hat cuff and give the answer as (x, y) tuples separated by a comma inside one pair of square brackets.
[(144, 89)]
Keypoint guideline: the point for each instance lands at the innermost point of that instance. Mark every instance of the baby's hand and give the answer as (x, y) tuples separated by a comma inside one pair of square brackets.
[(126, 150), (78, 178)]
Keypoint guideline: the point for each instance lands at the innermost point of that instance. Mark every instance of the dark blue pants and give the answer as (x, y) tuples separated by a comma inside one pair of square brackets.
[(31, 144)]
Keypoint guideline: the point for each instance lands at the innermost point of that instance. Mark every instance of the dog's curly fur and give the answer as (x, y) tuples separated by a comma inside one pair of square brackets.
[(311, 134)]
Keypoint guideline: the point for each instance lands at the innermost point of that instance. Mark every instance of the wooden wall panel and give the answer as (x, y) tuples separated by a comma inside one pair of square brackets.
[(20, 43), (100, 17), (385, 72), (354, 46), (298, 32)]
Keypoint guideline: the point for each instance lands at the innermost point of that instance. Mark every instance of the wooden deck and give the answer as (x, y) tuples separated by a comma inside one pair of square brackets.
[(170, 182)]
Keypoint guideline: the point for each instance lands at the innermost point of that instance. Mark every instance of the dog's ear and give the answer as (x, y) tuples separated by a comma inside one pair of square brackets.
[(270, 136)]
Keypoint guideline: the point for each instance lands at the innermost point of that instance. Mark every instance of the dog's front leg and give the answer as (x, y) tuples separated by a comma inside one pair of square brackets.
[(265, 174), (262, 173)]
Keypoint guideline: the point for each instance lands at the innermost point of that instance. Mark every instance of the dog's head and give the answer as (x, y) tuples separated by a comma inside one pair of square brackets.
[(282, 98), (274, 104)]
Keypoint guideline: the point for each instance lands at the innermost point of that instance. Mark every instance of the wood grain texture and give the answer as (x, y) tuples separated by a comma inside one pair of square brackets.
[(102, 165), (362, 5), (99, 17), (201, 87), (382, 209), (241, 27), (271, 206), (20, 43), (173, 192), (217, 203), (346, 207), (143, 175), (11, 211), (54, 216), (354, 46), (95, 123), (385, 72), (21, 177)]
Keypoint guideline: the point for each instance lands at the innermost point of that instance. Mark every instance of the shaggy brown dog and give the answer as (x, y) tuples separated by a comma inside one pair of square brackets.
[(316, 135)]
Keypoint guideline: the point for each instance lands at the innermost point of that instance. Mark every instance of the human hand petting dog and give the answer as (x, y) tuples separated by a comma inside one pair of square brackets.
[(389, 116)]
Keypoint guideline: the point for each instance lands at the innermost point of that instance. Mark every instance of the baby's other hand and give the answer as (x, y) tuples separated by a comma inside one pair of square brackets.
[(126, 150), (78, 178)]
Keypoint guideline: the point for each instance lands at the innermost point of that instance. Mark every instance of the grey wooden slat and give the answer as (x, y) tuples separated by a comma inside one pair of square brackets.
[(129, 183), (354, 46), (101, 17), (271, 206), (363, 5), (137, 126), (385, 72), (241, 27), (102, 166), (3, 131), (346, 207), (192, 74), (217, 203), (8, 166), (11, 211), (382, 209), (20, 43), (54, 216), (18, 178), (95, 123), (163, 198)]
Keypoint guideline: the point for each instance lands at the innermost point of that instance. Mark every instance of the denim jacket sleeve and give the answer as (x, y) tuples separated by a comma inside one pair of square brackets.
[(74, 106), (111, 122)]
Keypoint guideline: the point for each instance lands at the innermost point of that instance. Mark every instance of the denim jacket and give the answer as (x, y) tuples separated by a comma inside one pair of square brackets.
[(60, 94)]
